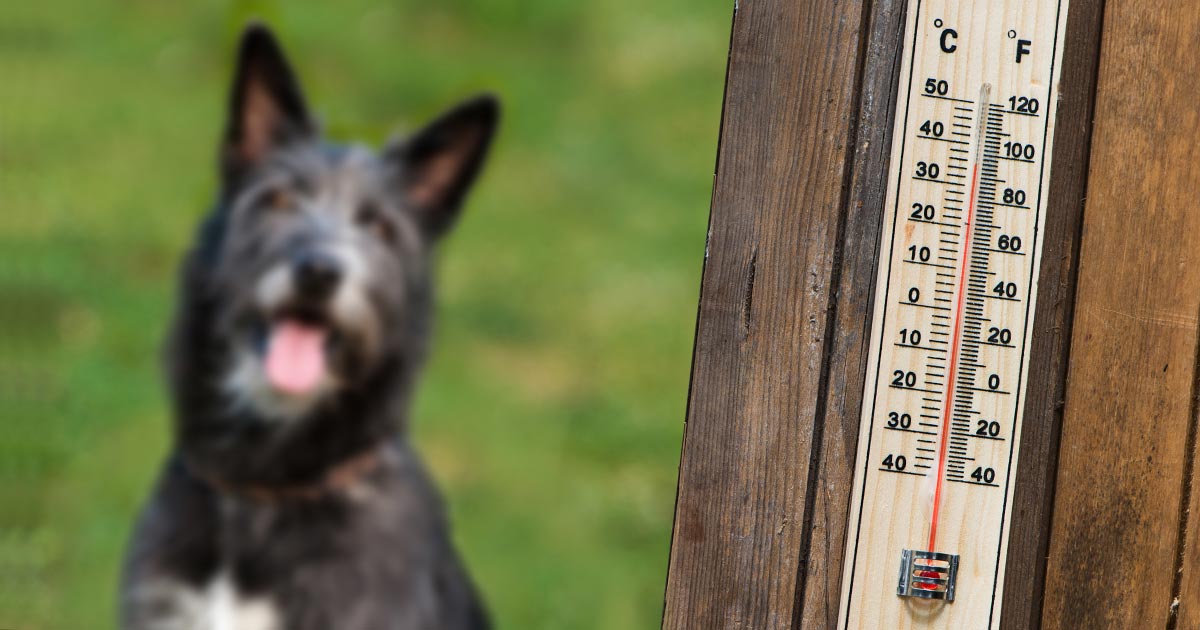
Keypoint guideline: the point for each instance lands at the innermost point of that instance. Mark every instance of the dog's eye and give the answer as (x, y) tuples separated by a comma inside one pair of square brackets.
[(279, 199), (370, 217)]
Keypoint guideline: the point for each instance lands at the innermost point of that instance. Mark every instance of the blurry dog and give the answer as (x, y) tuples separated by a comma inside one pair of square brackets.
[(292, 499)]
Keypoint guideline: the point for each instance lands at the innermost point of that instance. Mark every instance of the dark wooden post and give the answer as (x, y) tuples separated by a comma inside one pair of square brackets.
[(1123, 548), (744, 514)]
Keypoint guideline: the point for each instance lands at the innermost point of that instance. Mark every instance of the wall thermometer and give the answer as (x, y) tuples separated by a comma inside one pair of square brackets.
[(954, 304)]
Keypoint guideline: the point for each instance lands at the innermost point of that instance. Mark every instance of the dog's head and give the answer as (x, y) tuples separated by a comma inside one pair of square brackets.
[(316, 261)]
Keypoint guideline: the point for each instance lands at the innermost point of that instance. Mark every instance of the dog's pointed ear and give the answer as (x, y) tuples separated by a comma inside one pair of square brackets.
[(266, 106), (437, 166)]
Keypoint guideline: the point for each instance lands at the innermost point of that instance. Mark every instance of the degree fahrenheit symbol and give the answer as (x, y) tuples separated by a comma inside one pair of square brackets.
[(1022, 48)]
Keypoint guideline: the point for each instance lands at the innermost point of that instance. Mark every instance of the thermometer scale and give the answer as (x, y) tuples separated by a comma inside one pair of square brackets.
[(954, 304)]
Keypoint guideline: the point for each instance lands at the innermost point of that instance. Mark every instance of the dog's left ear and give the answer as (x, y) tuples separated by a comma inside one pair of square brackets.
[(266, 107), (438, 165)]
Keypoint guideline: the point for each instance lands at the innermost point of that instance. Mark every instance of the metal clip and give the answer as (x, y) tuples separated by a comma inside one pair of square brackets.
[(927, 574)]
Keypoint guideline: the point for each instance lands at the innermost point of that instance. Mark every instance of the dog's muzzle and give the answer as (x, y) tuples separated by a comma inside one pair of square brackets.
[(315, 316)]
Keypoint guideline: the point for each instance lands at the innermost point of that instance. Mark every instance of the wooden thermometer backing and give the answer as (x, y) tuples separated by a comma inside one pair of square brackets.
[(954, 304)]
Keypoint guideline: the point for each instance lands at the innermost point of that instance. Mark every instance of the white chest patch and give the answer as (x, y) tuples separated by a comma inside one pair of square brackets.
[(171, 606), (227, 610)]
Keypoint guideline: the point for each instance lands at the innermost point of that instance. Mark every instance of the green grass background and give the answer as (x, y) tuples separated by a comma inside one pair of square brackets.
[(553, 407)]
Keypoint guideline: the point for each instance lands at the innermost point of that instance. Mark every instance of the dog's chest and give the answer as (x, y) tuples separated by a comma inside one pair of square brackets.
[(227, 609), (372, 557), (217, 606)]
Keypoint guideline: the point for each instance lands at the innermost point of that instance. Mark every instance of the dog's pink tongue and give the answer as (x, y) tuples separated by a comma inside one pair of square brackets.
[(295, 356)]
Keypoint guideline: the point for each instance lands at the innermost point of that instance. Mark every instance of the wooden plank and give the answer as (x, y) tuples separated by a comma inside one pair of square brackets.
[(1115, 543), (766, 292), (819, 587)]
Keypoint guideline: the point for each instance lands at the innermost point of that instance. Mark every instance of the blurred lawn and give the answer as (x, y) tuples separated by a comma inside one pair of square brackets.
[(553, 408)]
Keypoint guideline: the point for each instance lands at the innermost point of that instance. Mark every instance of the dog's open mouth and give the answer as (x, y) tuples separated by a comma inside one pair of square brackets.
[(297, 345), (295, 359)]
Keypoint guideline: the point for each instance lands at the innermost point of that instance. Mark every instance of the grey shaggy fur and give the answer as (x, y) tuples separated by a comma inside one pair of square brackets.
[(275, 513)]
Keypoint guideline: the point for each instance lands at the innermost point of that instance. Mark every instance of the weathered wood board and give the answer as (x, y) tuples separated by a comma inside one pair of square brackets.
[(742, 509), (1117, 559)]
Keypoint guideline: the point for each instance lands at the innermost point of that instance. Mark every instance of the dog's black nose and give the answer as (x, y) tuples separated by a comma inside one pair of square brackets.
[(317, 274)]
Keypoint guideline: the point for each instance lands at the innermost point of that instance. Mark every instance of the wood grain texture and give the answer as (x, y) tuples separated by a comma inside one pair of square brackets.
[(766, 294), (1115, 541), (1025, 571), (819, 586)]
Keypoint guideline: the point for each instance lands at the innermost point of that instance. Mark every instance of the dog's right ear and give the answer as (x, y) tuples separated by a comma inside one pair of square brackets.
[(266, 107)]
